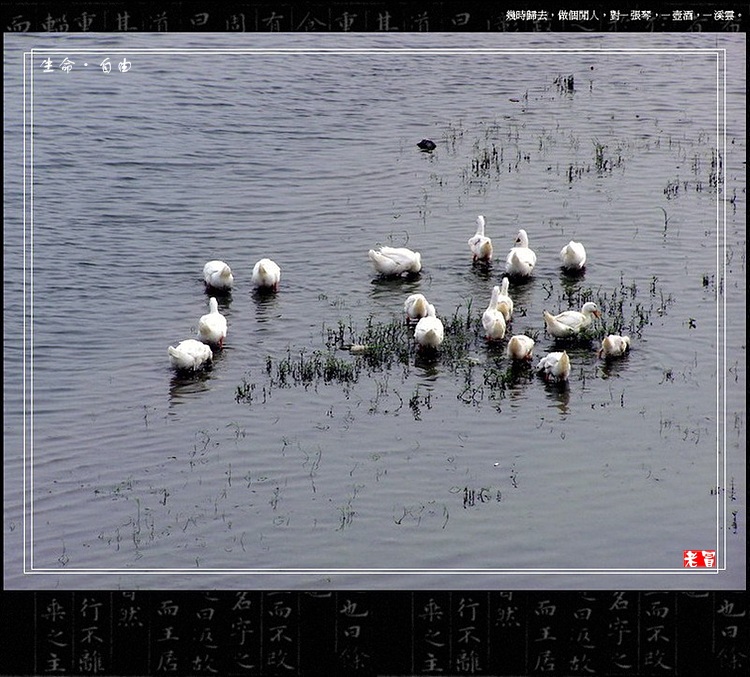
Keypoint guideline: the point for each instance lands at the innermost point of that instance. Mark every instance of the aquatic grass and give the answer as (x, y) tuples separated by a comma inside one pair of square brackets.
[(565, 84), (624, 309), (490, 162), (599, 161), (307, 368), (417, 401), (492, 381), (482, 371), (386, 343), (453, 136), (349, 353), (676, 187), (300, 368)]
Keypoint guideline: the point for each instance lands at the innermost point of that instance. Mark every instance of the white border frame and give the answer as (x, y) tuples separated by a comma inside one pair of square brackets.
[(30, 57)]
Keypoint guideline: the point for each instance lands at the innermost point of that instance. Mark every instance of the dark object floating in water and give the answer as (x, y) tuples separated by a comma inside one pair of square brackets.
[(427, 145)]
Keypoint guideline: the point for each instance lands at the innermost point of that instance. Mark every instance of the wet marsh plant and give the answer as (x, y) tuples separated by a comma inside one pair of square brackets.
[(622, 310), (306, 369), (565, 83), (417, 401), (492, 381), (486, 162), (604, 163), (350, 353), (483, 373), (453, 135)]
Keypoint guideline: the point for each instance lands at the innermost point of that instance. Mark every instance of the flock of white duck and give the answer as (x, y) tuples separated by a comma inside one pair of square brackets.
[(192, 354), (429, 333), (519, 263)]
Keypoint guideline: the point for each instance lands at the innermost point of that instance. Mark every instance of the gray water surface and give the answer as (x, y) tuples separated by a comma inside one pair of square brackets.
[(427, 472)]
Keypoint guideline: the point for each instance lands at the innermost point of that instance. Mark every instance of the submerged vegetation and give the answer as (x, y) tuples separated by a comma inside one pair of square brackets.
[(501, 148), (350, 354)]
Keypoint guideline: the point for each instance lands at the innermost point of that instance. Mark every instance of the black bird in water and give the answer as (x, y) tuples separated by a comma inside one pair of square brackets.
[(427, 145)]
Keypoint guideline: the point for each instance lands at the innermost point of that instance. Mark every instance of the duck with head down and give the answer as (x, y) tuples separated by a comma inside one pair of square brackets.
[(395, 261), (218, 275), (429, 332), (555, 367), (520, 347), (190, 355), (416, 307), (573, 256), (614, 345), (266, 275)]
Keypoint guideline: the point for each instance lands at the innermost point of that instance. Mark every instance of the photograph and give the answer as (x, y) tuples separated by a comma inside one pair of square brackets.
[(374, 311)]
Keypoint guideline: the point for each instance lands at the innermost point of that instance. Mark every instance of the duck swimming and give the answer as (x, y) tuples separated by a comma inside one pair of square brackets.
[(555, 366), (504, 302), (429, 332), (571, 322), (266, 275), (212, 327), (416, 306), (480, 244), (427, 145), (395, 261), (520, 260), (614, 345), (520, 347), (190, 355), (573, 256), (218, 275), (492, 319)]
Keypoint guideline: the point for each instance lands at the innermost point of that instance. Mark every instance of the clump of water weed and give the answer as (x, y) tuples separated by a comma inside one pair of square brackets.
[(494, 379), (299, 368), (306, 368), (604, 161), (626, 309), (350, 352), (565, 83), (417, 401)]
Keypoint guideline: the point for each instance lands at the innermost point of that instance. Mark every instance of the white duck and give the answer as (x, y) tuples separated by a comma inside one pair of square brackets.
[(504, 302), (212, 327), (480, 244), (614, 345), (395, 260), (573, 256), (492, 319), (218, 275), (571, 322), (520, 260), (190, 354), (429, 331), (520, 347), (266, 275), (555, 366), (416, 307)]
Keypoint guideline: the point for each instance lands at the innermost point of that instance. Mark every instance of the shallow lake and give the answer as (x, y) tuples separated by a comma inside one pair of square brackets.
[(295, 463)]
